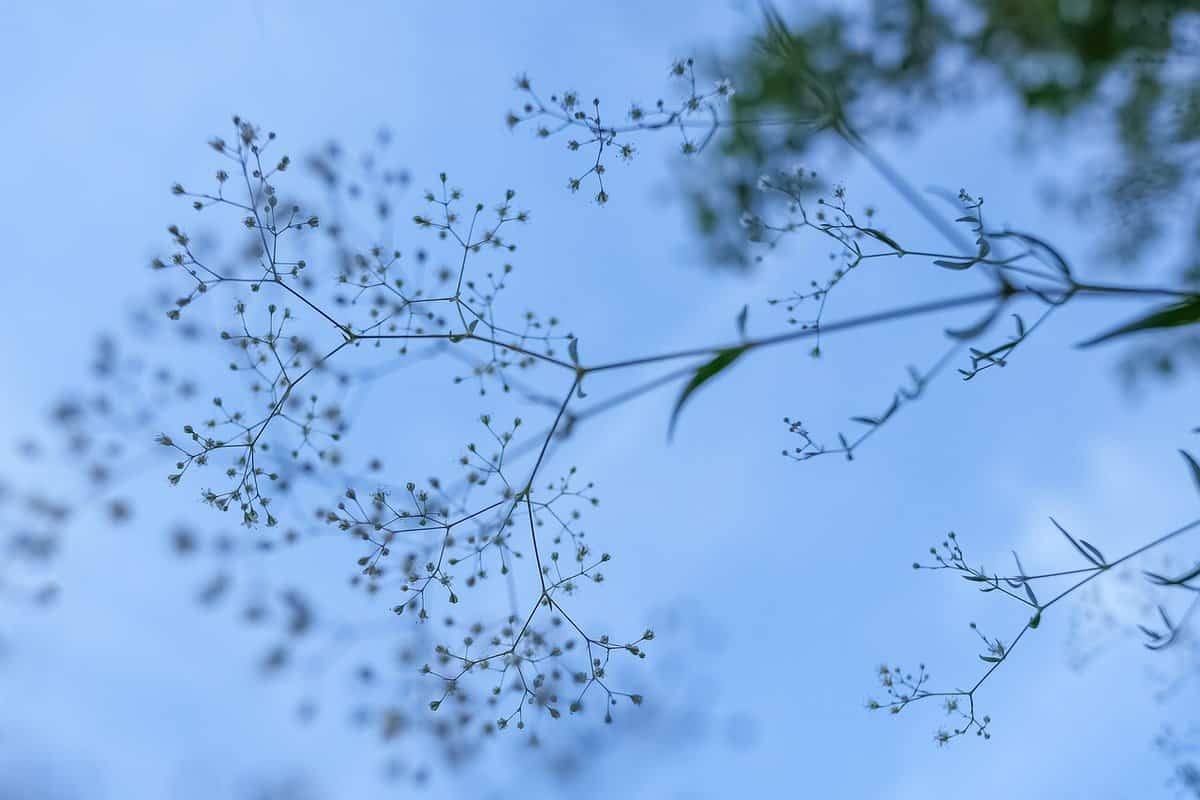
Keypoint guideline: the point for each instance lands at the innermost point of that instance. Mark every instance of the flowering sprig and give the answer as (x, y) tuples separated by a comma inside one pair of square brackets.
[(430, 546), (1023, 589), (696, 117), (438, 538)]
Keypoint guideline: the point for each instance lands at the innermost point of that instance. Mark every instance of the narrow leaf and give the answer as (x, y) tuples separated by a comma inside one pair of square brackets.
[(1162, 612), (1193, 464), (1185, 313), (1023, 582), (973, 330), (883, 237), (1162, 580), (1091, 549), (702, 375), (891, 409), (741, 321), (1156, 579), (1074, 543), (1151, 634)]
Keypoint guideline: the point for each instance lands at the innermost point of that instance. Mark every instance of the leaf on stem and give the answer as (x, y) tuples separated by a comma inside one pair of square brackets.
[(1077, 546), (702, 375), (1190, 459), (1185, 313)]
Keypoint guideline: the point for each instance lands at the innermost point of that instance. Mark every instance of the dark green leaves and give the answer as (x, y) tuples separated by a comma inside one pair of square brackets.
[(1090, 553), (971, 331), (1159, 641), (1179, 580), (1185, 313), (1097, 556), (707, 371)]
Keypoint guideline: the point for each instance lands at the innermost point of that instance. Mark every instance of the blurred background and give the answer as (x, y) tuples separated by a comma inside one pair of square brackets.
[(151, 647)]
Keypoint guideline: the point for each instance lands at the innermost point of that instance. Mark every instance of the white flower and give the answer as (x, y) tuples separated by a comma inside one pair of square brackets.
[(764, 183), (725, 88)]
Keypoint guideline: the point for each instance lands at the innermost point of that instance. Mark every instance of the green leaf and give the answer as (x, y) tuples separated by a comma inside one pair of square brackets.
[(707, 371), (1020, 326), (1153, 635), (883, 237), (991, 659), (1035, 620), (984, 249), (1193, 464), (1076, 545), (971, 331), (1091, 549), (1162, 612), (1185, 313), (1162, 580)]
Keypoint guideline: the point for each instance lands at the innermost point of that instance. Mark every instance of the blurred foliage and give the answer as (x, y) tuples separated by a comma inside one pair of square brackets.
[(1129, 69), (1130, 65)]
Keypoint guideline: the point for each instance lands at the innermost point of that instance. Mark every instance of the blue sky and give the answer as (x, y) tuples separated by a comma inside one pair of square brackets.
[(778, 586)]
